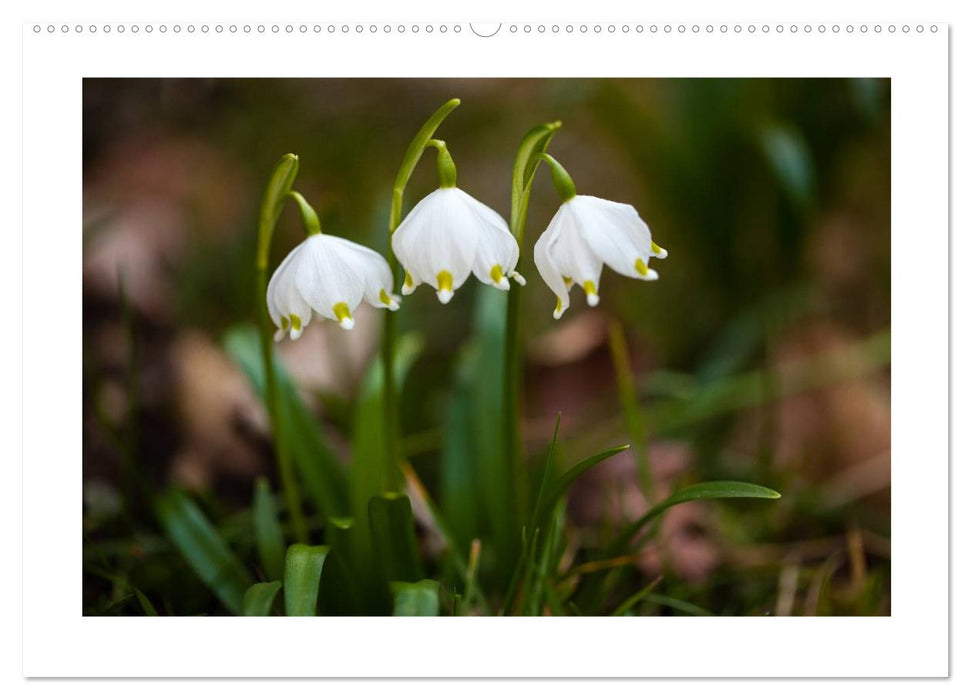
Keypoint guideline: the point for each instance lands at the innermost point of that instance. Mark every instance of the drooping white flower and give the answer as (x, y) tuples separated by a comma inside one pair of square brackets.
[(586, 233), (327, 276), (449, 235)]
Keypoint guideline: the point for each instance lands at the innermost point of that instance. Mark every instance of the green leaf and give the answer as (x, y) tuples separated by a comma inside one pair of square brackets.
[(258, 599), (202, 547), (791, 159), (460, 462), (420, 143), (320, 471), (705, 491), (269, 534), (146, 604), (531, 149), (301, 578), (675, 604), (368, 475), (393, 537), (419, 599), (563, 483), (274, 197)]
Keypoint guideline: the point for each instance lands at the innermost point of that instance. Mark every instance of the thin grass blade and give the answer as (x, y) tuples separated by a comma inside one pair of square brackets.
[(202, 547), (269, 535)]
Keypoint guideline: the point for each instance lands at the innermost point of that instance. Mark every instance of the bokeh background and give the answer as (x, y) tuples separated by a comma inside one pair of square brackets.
[(761, 354)]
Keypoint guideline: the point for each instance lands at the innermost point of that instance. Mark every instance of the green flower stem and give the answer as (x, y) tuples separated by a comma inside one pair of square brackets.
[(531, 150), (311, 224), (447, 174), (408, 163), (633, 415), (273, 200), (561, 178)]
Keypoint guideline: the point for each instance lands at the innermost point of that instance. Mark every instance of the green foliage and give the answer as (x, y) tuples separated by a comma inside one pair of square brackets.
[(368, 475), (739, 178), (418, 599), (259, 598), (320, 471), (269, 535), (203, 548), (393, 537), (301, 579)]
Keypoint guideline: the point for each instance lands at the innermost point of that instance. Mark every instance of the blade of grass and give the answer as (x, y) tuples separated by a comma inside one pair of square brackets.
[(269, 535), (368, 477), (321, 472), (471, 587), (594, 589), (301, 579), (628, 604), (563, 483), (634, 417), (529, 532), (258, 599), (202, 547), (393, 537), (418, 490), (706, 491), (675, 604)]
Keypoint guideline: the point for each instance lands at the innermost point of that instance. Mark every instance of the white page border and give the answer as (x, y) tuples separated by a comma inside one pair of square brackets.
[(58, 641)]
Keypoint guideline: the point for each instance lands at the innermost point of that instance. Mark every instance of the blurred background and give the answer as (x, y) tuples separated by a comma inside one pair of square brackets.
[(762, 353)]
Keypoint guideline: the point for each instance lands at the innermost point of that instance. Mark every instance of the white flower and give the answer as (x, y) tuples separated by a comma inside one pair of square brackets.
[(584, 234), (449, 235), (329, 276)]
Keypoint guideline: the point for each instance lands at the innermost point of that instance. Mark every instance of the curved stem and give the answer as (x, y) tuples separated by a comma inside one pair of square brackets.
[(390, 397), (531, 151), (280, 182)]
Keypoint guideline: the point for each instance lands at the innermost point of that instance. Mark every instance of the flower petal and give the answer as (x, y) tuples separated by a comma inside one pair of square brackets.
[(373, 269), (570, 251), (437, 236), (547, 267), (325, 278), (617, 235), (497, 252), (277, 314), (291, 311)]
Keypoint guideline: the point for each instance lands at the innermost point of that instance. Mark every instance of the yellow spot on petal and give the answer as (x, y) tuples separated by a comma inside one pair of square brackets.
[(559, 304), (385, 299), (591, 291), (568, 281), (343, 313), (496, 273), (444, 281), (444, 286), (296, 322), (641, 267), (408, 281)]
